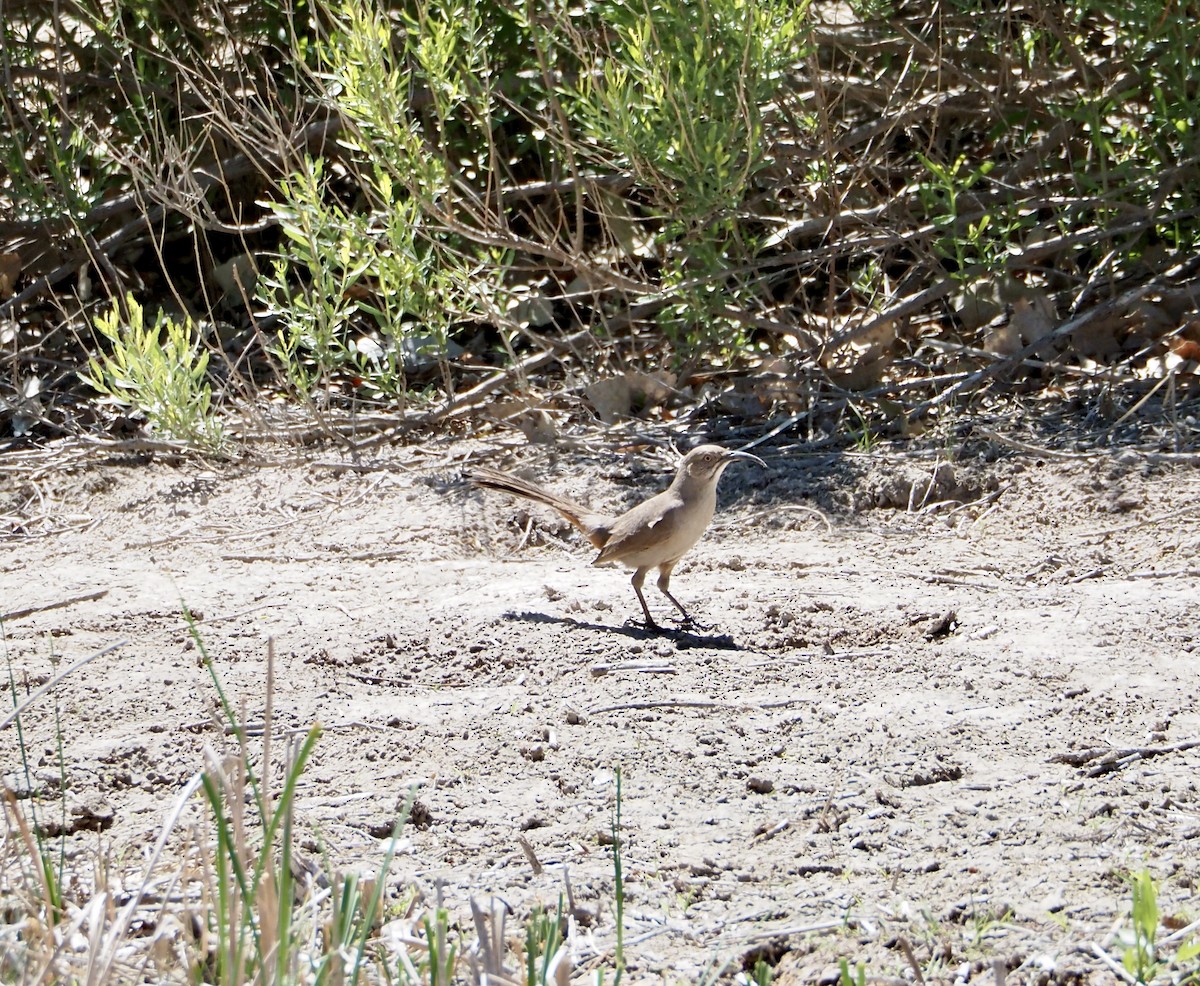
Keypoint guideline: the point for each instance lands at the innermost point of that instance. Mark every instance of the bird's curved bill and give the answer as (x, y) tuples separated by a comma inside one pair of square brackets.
[(731, 455)]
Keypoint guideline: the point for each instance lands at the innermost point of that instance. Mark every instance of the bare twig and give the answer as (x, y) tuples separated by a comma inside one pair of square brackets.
[(19, 614), (384, 555), (911, 958), (530, 854), (1114, 966), (1103, 310), (205, 178), (599, 670), (1116, 758), (664, 704)]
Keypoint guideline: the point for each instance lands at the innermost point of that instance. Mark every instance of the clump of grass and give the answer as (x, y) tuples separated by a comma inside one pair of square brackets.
[(848, 978), (243, 907), (1140, 958), (160, 369), (618, 882), (1144, 955)]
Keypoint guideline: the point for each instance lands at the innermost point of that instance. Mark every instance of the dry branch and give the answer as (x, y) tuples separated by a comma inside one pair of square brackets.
[(19, 614), (1111, 759), (204, 178), (1105, 309)]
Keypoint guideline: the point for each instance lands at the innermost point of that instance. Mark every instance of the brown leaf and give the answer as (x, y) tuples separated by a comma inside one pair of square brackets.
[(612, 398), (236, 278), (534, 423), (1186, 349), (978, 304), (1100, 339), (10, 270), (620, 396), (776, 382), (1032, 319), (862, 362), (1003, 340), (863, 375)]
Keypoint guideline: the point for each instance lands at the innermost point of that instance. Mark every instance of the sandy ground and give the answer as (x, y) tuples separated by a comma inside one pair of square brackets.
[(855, 756)]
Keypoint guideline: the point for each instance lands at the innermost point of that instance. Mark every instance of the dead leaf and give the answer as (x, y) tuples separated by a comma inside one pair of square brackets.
[(861, 363), (236, 278), (1101, 338), (359, 291), (1186, 349), (651, 389), (10, 270), (612, 398), (862, 375), (533, 422), (1032, 319), (534, 309), (538, 428), (778, 365), (1003, 340), (622, 396), (1147, 322), (634, 237), (978, 304), (743, 405), (1033, 316), (776, 382)]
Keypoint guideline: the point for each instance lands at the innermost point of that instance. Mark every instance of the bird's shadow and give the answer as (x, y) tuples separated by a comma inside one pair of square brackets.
[(682, 637)]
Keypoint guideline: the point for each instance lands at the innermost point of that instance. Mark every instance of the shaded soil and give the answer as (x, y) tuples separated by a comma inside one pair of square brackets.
[(858, 754)]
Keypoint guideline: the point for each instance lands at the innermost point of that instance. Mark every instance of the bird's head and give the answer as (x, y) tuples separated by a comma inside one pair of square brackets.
[(705, 463)]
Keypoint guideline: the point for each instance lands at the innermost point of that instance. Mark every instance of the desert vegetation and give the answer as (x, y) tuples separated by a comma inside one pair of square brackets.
[(845, 219), (228, 224)]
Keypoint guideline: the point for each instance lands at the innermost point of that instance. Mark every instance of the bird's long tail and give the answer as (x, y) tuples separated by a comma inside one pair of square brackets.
[(595, 527)]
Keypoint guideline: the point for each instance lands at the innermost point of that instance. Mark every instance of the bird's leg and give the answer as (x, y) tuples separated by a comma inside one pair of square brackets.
[(639, 578), (664, 581)]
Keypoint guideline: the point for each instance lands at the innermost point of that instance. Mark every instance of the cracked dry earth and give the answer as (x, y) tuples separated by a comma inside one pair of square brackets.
[(892, 741)]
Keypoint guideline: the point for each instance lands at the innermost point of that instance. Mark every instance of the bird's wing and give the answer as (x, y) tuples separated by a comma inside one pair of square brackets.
[(643, 528)]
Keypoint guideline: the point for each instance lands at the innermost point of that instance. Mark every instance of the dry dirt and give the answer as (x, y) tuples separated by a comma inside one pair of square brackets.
[(855, 756)]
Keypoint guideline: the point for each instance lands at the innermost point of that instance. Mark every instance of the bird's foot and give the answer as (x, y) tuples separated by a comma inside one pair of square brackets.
[(648, 625), (690, 622)]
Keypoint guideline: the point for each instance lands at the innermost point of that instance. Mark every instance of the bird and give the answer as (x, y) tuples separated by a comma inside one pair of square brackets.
[(654, 534)]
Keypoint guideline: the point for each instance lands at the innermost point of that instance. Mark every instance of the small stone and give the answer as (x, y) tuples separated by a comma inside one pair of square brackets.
[(380, 828), (419, 815), (761, 785)]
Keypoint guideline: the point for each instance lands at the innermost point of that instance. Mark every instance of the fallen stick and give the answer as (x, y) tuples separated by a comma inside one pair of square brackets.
[(599, 670), (667, 704), (1113, 758), (1114, 967), (20, 614), (386, 554)]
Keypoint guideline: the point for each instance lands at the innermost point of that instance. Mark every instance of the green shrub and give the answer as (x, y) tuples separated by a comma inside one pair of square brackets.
[(158, 369)]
